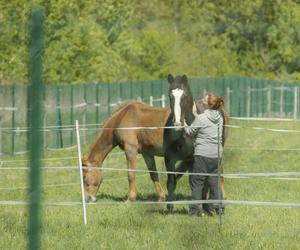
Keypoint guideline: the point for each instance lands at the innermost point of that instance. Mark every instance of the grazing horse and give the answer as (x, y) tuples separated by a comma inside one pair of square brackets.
[(179, 146), (142, 140)]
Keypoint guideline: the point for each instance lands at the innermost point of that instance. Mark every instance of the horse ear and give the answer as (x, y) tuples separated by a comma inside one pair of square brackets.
[(170, 78), (184, 78)]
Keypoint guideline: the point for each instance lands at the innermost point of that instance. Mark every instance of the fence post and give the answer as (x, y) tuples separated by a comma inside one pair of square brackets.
[(44, 118), (72, 112), (0, 137), (228, 100), (204, 92), (35, 136), (151, 101), (108, 98), (269, 97), (281, 101), (97, 103), (80, 173), (13, 120), (295, 103), (248, 100), (163, 101), (219, 177), (131, 90), (84, 113), (59, 140)]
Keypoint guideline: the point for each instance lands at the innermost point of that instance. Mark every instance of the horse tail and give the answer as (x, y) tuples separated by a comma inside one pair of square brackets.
[(225, 128)]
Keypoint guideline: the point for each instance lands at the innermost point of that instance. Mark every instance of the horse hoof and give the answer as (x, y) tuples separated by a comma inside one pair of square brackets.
[(161, 199), (129, 200), (167, 212), (170, 208)]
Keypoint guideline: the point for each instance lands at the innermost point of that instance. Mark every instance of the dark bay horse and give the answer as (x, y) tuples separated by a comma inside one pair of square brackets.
[(177, 145)]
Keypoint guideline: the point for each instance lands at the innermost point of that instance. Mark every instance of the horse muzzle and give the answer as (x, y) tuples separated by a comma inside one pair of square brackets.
[(177, 126), (90, 198)]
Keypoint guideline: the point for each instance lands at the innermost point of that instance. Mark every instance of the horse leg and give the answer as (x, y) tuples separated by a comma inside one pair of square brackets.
[(131, 155), (205, 195), (222, 184), (182, 168), (150, 162), (171, 182)]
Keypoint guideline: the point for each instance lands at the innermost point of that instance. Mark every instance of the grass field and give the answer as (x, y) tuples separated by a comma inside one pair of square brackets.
[(137, 226)]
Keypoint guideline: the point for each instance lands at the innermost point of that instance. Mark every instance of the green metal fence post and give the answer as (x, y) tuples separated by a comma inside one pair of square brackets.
[(108, 98), (248, 99), (59, 139), (13, 120), (228, 99), (262, 97), (269, 98), (85, 112), (0, 137), (281, 93), (72, 112), (35, 135), (253, 95), (131, 90), (295, 103), (44, 118), (97, 104)]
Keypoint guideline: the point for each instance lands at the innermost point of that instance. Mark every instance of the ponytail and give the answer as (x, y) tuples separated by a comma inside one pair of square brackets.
[(214, 101)]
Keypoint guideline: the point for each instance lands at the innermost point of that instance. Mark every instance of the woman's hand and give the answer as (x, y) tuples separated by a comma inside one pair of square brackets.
[(184, 124)]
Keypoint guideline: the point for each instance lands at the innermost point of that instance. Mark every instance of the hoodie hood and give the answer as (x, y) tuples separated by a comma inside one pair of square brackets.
[(213, 115)]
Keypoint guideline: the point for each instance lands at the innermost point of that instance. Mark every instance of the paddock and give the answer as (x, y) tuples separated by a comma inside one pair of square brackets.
[(261, 163)]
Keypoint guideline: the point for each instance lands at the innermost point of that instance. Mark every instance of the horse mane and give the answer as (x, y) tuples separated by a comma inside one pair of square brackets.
[(113, 115), (119, 108)]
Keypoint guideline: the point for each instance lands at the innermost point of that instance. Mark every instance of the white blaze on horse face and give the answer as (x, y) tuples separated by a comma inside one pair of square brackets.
[(177, 93)]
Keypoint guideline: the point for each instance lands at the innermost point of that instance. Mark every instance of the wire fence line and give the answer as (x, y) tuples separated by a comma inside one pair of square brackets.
[(99, 127), (107, 169), (228, 147), (69, 184), (58, 185), (151, 100), (95, 128), (123, 178), (156, 203)]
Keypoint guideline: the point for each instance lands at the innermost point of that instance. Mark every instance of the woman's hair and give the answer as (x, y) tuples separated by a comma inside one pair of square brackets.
[(214, 101), (199, 106)]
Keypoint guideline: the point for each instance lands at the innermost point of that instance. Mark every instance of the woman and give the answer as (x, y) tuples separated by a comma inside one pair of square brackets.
[(207, 130)]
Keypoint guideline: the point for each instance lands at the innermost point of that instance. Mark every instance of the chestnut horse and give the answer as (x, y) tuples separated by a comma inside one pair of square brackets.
[(148, 137), (138, 140)]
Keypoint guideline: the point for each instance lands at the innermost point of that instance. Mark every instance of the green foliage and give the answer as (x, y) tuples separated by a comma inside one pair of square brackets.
[(113, 40)]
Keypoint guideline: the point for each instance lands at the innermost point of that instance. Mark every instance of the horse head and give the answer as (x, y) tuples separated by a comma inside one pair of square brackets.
[(92, 179), (181, 100)]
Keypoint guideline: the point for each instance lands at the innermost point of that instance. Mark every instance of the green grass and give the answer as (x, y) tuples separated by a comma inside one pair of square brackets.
[(136, 226)]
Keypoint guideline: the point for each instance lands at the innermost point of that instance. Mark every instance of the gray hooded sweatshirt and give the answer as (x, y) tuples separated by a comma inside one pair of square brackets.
[(205, 131)]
